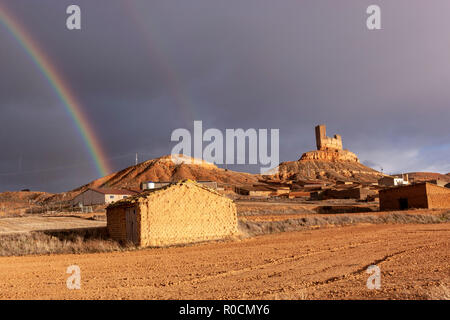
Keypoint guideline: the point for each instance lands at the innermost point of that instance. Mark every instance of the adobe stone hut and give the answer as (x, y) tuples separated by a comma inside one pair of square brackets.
[(179, 213), (419, 195)]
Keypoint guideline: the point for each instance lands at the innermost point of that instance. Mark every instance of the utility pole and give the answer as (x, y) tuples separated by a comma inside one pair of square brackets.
[(136, 158)]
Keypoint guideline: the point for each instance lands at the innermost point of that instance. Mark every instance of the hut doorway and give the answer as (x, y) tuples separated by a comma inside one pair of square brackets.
[(403, 203), (131, 222)]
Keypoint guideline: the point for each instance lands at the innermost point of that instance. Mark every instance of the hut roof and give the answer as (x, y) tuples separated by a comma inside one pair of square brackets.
[(144, 194)]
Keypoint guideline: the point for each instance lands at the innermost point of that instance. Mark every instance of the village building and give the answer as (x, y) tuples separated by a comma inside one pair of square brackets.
[(437, 182), (391, 181), (280, 191), (302, 183), (299, 194), (419, 195), (99, 196), (262, 190), (179, 213), (254, 191), (342, 182), (358, 193), (148, 185)]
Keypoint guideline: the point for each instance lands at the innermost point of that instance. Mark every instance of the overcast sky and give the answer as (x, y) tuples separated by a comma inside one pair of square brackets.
[(144, 68)]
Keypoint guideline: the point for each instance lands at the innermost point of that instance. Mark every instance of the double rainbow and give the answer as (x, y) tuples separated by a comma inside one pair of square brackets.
[(62, 90)]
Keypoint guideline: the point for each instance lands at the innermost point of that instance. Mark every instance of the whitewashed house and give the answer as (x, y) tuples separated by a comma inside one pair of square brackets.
[(99, 196)]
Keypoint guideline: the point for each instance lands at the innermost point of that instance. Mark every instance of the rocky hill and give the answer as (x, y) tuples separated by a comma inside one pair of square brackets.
[(425, 176), (326, 171), (330, 162), (330, 156), (168, 169)]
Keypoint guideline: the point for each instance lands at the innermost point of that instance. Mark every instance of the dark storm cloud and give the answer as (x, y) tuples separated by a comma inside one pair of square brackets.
[(144, 68)]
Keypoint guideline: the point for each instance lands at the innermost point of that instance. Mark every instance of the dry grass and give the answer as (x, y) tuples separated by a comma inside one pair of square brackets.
[(253, 228), (80, 241)]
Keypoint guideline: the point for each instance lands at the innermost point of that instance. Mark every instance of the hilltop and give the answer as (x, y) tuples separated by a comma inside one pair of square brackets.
[(327, 171), (330, 162)]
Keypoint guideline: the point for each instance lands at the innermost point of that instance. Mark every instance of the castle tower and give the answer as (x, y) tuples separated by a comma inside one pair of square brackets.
[(321, 133), (328, 149), (325, 143)]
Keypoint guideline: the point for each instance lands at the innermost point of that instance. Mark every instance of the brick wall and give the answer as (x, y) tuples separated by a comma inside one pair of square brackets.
[(116, 224), (438, 197), (421, 195), (416, 195), (89, 198), (323, 142), (298, 194), (351, 193), (185, 213), (182, 213)]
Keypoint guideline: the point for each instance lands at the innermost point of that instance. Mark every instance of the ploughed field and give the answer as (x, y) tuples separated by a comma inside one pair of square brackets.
[(13, 225), (325, 263)]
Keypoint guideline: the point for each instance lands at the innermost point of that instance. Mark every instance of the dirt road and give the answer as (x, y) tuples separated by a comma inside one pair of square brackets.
[(315, 264)]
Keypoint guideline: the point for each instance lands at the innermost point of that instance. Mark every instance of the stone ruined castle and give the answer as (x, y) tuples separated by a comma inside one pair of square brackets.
[(329, 149), (325, 143)]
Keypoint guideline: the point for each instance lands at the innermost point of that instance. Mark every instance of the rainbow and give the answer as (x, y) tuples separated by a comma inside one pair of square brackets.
[(72, 106)]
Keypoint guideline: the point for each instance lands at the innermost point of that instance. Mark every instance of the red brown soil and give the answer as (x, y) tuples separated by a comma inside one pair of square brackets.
[(327, 263)]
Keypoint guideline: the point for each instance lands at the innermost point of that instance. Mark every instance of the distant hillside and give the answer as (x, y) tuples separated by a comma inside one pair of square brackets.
[(164, 169), (424, 176), (23, 196), (18, 201)]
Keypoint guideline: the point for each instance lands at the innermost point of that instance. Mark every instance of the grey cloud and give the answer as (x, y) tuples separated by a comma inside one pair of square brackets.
[(144, 68)]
